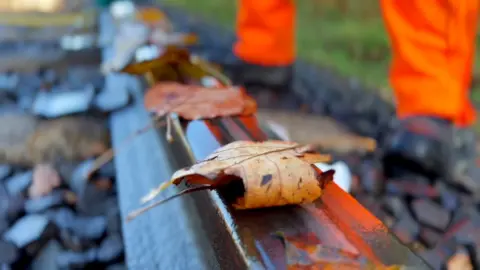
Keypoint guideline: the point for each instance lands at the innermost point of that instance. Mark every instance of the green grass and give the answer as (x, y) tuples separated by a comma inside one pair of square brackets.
[(345, 35)]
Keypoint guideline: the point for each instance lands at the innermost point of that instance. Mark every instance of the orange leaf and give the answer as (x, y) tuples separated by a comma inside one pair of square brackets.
[(150, 15), (197, 102), (307, 252)]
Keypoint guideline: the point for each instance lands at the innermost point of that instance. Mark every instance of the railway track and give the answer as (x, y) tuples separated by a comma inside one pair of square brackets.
[(197, 231), (200, 231)]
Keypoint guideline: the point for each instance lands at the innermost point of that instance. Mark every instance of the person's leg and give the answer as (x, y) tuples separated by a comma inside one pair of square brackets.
[(265, 32), (433, 45), (266, 43), (432, 42)]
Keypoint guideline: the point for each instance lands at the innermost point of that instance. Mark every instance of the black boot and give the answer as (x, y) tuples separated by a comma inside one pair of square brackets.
[(271, 86), (433, 147), (466, 172)]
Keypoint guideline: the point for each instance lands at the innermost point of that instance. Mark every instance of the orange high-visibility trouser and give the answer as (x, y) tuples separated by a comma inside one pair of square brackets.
[(433, 44)]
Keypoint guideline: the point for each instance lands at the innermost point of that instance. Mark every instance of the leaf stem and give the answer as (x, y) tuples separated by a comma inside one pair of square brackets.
[(142, 210)]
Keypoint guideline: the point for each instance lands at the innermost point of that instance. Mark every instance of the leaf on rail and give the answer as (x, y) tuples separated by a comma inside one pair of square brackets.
[(307, 252), (256, 175), (171, 55), (196, 102)]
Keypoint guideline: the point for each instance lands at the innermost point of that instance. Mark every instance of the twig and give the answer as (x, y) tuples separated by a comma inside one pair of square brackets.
[(140, 211), (154, 193)]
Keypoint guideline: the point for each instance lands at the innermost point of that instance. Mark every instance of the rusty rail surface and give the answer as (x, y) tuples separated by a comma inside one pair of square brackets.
[(199, 231)]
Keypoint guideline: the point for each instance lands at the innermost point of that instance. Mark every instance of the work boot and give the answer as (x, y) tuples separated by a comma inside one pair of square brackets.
[(271, 86), (466, 171), (433, 147)]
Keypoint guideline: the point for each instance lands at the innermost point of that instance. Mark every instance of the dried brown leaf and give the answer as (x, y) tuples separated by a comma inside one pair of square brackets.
[(314, 129), (171, 55), (273, 173), (196, 102)]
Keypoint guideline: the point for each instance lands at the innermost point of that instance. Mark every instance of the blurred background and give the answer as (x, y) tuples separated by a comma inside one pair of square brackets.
[(345, 35)]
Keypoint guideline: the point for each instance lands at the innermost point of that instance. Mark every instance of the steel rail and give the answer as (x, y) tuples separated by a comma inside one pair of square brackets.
[(335, 217), (199, 231)]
